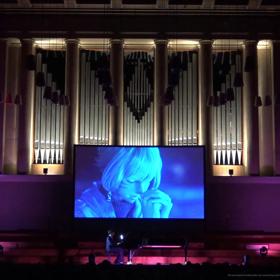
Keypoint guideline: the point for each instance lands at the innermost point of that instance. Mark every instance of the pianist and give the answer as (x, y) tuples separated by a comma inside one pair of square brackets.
[(114, 244), (129, 188)]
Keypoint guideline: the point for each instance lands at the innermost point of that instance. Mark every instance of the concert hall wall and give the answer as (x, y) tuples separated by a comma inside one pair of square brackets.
[(44, 203)]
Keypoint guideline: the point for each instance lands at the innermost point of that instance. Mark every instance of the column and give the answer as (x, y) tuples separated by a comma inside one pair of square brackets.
[(11, 126), (3, 75), (265, 111), (162, 4), (160, 111), (116, 111), (116, 4), (250, 113), (72, 111), (205, 91), (276, 105), (26, 111)]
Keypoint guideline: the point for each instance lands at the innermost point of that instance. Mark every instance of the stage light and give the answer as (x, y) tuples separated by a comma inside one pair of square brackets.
[(121, 237), (230, 172), (263, 251), (258, 101)]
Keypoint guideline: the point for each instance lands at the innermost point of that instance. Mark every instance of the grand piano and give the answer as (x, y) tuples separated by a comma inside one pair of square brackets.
[(133, 242)]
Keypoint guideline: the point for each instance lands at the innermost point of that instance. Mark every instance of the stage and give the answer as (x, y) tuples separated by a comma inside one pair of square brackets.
[(214, 248)]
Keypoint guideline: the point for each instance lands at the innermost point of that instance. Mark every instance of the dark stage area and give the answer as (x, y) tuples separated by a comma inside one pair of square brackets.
[(220, 248)]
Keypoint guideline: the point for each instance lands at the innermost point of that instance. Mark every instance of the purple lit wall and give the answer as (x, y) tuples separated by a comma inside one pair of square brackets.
[(232, 203), (34, 202), (243, 204)]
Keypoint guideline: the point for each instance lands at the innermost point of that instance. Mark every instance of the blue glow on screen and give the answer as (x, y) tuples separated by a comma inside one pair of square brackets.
[(139, 182)]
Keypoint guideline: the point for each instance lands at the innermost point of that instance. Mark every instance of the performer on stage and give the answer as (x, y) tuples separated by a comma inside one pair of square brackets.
[(113, 247)]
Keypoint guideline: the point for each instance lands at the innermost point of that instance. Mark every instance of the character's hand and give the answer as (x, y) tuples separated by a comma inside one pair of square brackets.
[(136, 208), (156, 204), (127, 207)]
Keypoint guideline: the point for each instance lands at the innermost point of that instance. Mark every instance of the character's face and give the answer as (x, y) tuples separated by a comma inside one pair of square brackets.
[(132, 187)]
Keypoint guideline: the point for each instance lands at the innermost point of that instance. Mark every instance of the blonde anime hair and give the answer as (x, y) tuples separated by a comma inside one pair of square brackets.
[(143, 161)]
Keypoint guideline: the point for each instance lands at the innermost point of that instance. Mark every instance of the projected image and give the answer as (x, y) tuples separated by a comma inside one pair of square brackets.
[(139, 182)]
